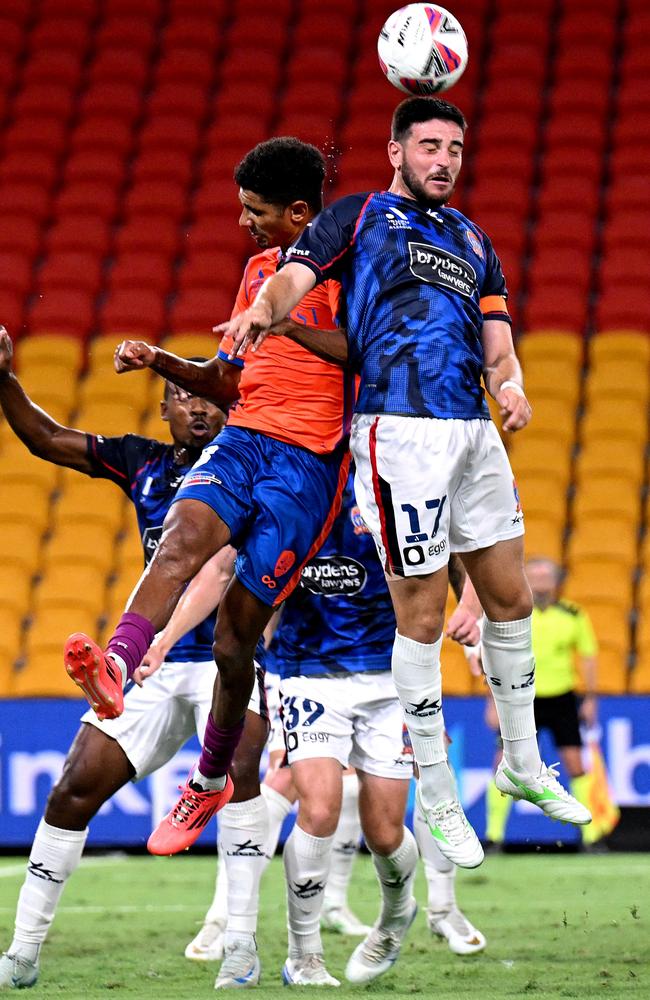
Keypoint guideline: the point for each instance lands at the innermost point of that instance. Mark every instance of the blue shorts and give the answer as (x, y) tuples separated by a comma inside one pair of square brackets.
[(278, 500)]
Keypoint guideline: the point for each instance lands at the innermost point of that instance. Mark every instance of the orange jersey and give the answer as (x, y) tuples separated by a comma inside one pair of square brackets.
[(286, 391)]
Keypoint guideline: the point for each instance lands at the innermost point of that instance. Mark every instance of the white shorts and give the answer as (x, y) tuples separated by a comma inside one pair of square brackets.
[(356, 719), (426, 487), (170, 707), (276, 733)]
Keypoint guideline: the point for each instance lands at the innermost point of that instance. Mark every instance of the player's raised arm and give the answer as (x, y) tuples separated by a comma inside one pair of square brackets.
[(214, 380), (276, 298), (502, 374), (44, 437)]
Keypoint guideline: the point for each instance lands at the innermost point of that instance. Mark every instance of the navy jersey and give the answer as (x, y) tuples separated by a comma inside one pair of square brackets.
[(146, 471), (340, 619), (417, 284)]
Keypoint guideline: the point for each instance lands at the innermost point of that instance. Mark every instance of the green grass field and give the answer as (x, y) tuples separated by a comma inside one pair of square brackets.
[(557, 926)]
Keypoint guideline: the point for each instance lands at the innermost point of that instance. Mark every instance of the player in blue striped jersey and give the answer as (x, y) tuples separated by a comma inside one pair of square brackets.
[(172, 704), (426, 315)]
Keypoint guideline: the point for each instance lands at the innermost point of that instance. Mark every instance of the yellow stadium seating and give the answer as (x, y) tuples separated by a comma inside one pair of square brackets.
[(102, 349), (88, 499), (608, 345), (18, 462), (611, 623), (612, 670), (456, 677), (607, 496), (111, 419), (618, 377), (44, 676), (15, 588), (543, 537), (10, 635), (643, 594), (57, 349), (640, 676), (552, 377), (21, 543), (615, 416), (599, 580), (605, 454), (70, 582), (25, 501), (131, 389), (551, 344), (92, 543), (595, 537), (551, 413), (191, 345), (545, 454)]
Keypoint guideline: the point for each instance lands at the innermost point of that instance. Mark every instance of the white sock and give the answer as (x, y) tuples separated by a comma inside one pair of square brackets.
[(243, 834), (396, 873), (54, 856), (417, 677), (440, 872), (218, 912), (209, 784), (346, 844), (278, 808), (306, 867), (509, 666)]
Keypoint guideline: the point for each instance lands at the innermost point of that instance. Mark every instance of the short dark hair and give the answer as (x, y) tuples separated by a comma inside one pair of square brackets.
[(422, 109), (284, 170)]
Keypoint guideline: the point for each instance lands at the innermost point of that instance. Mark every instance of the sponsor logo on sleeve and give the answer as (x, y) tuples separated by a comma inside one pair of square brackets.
[(439, 267)]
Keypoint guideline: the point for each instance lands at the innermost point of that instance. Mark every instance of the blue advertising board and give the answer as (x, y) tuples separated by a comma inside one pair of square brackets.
[(35, 735)]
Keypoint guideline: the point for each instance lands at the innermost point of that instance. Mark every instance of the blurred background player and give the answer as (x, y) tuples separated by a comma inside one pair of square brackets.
[(272, 486), (565, 650), (168, 708)]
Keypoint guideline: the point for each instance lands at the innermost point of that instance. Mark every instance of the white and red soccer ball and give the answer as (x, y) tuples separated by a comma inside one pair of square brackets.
[(422, 49)]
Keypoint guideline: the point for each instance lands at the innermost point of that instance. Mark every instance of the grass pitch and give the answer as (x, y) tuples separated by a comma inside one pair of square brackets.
[(557, 926)]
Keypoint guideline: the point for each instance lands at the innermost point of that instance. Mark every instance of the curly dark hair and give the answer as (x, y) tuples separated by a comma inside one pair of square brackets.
[(422, 109), (284, 170)]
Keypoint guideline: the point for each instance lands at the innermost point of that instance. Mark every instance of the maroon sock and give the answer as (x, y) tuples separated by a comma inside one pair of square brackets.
[(219, 747), (131, 640)]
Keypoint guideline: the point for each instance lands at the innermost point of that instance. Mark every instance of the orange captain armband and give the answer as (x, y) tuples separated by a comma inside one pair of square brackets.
[(495, 307)]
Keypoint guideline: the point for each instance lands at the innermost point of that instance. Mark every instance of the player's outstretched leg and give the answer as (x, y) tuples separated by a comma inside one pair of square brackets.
[(444, 917), (336, 915)]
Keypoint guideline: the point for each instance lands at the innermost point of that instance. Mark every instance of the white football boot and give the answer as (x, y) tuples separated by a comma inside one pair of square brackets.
[(544, 791), (240, 967), (307, 971), (453, 834), (461, 936), (378, 952), (342, 920), (207, 946), (17, 972)]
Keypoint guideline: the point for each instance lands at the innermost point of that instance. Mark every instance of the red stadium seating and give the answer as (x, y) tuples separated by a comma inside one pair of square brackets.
[(139, 311), (63, 311)]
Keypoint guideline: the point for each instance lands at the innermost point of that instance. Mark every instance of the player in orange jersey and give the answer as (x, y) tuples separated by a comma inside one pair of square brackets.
[(271, 486)]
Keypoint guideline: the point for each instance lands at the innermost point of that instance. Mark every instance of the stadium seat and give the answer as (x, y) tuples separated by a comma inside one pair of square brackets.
[(542, 345), (15, 590), (17, 461), (82, 197), (546, 451), (21, 544), (151, 271), (85, 231), (141, 312), (10, 640), (146, 233), (103, 385), (600, 580), (185, 65), (106, 132), (543, 537), (90, 500), (564, 309), (616, 345), (549, 377), (91, 540), (596, 536), (605, 414), (63, 311), (606, 496), (618, 377), (25, 501), (71, 270), (110, 418), (540, 494), (199, 309), (639, 678), (551, 411)]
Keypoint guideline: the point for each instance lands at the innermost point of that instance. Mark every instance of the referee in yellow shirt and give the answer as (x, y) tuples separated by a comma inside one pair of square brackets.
[(563, 642)]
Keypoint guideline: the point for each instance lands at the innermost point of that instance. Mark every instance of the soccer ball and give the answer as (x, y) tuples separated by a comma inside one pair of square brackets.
[(422, 49)]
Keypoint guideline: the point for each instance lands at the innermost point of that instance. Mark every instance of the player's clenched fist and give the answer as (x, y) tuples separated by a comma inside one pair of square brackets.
[(133, 355), (514, 408), (6, 351)]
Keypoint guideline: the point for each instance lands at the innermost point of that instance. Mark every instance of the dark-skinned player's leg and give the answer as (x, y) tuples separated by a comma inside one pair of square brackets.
[(192, 533), (241, 620)]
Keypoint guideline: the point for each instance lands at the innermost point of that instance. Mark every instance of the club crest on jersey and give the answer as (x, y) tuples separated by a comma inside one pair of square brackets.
[(358, 523), (439, 267), (285, 561), (515, 490), (397, 219), (475, 243)]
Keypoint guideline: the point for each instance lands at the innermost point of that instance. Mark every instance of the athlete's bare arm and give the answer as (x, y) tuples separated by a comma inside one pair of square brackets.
[(215, 380), (274, 301), (331, 345), (502, 374), (44, 437)]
